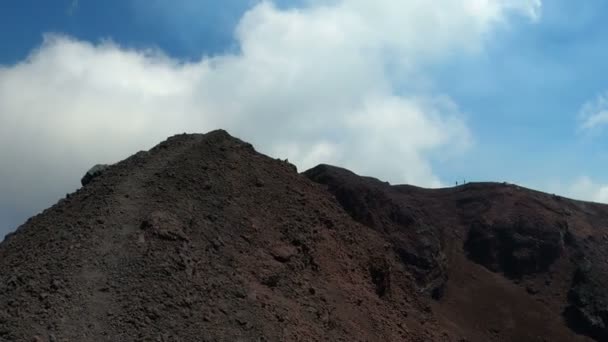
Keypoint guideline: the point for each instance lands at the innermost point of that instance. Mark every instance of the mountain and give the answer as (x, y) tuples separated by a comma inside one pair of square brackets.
[(204, 239)]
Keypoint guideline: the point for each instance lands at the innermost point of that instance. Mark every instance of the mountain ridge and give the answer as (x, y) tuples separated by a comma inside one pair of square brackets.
[(203, 238)]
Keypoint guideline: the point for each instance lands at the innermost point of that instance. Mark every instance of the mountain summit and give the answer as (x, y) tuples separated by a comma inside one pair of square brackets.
[(204, 239)]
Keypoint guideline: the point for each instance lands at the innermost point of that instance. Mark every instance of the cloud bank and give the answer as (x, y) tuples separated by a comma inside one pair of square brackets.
[(340, 82)]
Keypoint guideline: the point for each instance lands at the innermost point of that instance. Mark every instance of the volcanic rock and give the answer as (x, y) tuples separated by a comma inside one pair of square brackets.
[(204, 239), (93, 172)]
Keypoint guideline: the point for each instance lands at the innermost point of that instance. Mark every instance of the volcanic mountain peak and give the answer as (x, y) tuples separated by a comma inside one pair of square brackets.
[(204, 239)]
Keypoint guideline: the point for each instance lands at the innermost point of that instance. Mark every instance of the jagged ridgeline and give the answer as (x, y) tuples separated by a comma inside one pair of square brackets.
[(204, 239)]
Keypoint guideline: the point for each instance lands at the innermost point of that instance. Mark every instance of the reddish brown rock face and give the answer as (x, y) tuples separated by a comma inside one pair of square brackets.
[(501, 262), (203, 239)]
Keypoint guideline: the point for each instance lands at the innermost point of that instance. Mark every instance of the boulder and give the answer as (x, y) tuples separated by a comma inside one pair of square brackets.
[(93, 173)]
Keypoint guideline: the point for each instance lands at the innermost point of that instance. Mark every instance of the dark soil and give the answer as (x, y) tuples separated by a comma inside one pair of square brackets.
[(204, 239)]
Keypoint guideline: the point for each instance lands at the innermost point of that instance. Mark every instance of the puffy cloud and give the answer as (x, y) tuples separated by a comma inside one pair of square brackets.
[(322, 83)]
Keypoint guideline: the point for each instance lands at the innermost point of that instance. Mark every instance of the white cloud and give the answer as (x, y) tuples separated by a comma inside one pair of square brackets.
[(586, 189), (594, 114), (315, 84)]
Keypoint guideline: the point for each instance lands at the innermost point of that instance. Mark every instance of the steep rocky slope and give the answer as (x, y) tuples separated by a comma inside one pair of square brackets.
[(502, 262), (203, 239)]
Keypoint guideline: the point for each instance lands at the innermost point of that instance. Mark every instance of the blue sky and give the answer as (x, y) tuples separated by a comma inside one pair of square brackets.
[(132, 23), (524, 94), (409, 91)]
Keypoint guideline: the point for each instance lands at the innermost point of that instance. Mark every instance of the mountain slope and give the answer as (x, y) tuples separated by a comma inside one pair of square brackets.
[(506, 263), (204, 239)]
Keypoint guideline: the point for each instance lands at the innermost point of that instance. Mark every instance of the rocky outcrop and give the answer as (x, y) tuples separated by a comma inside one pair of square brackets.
[(587, 310), (381, 207), (516, 248), (93, 173)]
